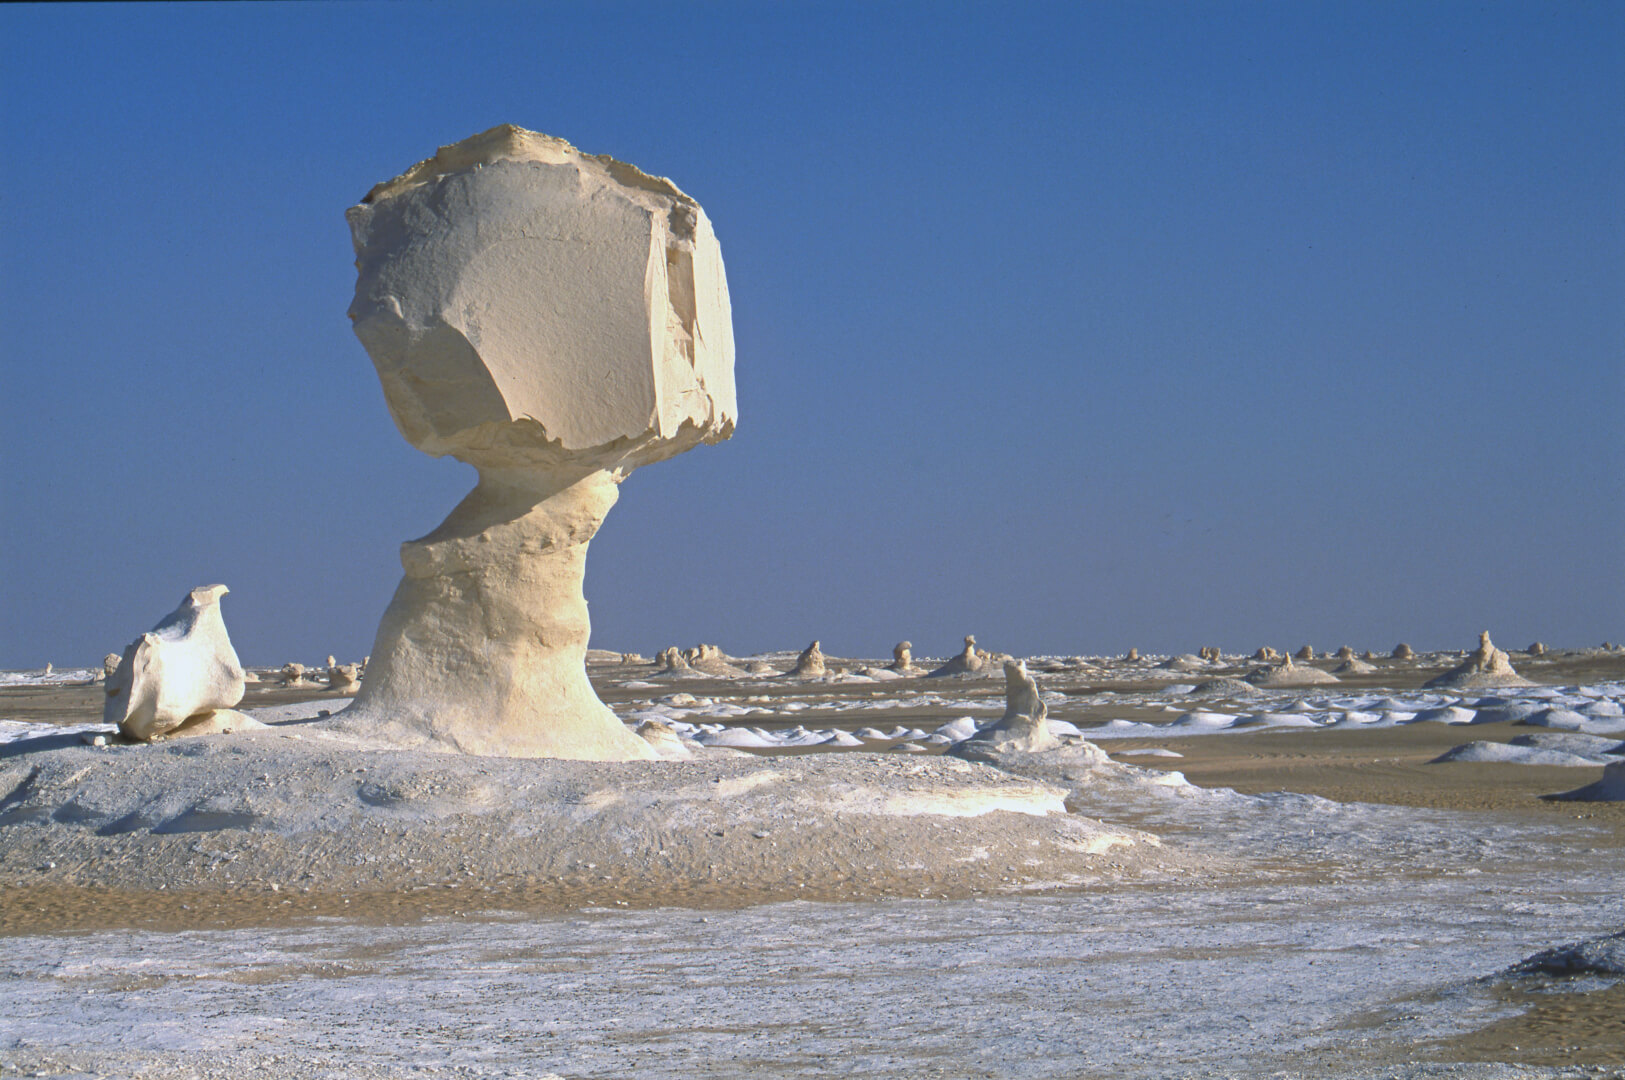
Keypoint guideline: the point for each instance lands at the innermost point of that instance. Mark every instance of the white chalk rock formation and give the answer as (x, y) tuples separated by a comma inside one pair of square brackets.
[(1354, 666), (555, 319), (1345, 653), (183, 669), (1536, 649), (1485, 666), (1306, 653), (970, 661), (344, 678), (1288, 674), (664, 740), (1403, 651), (1132, 656), (902, 657), (293, 674), (810, 664), (110, 664), (1024, 727)]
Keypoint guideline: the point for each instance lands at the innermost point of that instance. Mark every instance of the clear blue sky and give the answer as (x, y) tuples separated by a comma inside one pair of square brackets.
[(1075, 326)]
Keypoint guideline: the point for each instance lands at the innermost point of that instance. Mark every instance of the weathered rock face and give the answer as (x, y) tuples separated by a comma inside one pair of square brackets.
[(110, 664), (183, 670), (1403, 651), (293, 674), (1485, 666), (902, 657), (555, 319)]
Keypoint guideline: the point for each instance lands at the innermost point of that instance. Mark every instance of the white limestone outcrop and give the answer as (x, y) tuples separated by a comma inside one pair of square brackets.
[(970, 661), (343, 678), (555, 319), (810, 664), (183, 669), (1288, 674), (902, 657), (1024, 727), (1486, 666)]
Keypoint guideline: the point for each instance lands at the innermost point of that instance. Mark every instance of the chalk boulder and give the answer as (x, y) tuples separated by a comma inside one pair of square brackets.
[(183, 669), (902, 657), (1132, 656), (293, 674), (554, 319), (1485, 666), (1403, 651)]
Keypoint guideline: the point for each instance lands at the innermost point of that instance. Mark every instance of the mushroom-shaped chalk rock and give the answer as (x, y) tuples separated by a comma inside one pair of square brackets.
[(183, 668), (902, 657), (554, 319)]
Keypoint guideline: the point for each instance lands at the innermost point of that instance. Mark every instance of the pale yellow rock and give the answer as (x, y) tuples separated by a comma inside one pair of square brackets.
[(1403, 651), (664, 740), (183, 667), (344, 678), (555, 319), (810, 664), (1132, 656), (970, 660), (292, 674), (110, 664), (902, 657)]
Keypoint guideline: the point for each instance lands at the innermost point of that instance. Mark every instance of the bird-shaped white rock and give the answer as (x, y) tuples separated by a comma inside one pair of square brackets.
[(183, 668)]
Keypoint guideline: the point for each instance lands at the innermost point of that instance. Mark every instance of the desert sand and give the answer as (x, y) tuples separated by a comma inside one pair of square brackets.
[(1214, 821)]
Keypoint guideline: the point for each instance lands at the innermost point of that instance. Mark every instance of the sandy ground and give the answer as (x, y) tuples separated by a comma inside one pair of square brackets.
[(1548, 1024)]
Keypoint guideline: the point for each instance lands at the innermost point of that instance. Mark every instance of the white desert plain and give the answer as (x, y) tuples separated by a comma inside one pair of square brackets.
[(488, 850)]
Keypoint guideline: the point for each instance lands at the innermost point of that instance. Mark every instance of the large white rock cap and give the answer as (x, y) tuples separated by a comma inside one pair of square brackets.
[(528, 304)]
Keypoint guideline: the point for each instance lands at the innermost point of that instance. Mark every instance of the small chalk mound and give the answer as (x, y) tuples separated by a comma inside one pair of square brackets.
[(1485, 666), (1288, 674)]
